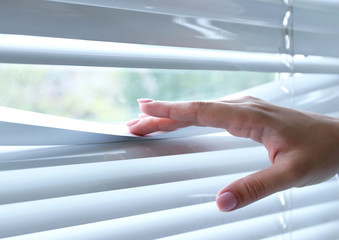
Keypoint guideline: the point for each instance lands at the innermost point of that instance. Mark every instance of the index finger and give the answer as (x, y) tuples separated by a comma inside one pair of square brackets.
[(203, 113)]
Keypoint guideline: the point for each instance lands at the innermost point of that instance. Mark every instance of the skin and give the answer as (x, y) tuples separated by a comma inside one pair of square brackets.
[(303, 147)]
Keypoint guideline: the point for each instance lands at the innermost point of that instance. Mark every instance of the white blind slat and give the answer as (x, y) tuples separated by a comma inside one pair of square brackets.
[(217, 25), (217, 10), (139, 24), (88, 208), (34, 50), (324, 5), (299, 85), (328, 230), (44, 156), (176, 221), (19, 127), (163, 188), (80, 209), (274, 224), (321, 101), (83, 178)]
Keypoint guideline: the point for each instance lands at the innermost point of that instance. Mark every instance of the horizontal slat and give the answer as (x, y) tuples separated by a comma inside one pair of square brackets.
[(226, 25), (325, 41), (322, 231), (315, 21), (324, 5), (285, 89), (25, 49), (328, 230), (29, 184), (274, 224), (88, 53), (18, 218), (20, 127), (76, 154), (181, 220), (323, 101), (315, 30), (167, 7), (314, 64), (333, 114), (150, 23), (220, 10)]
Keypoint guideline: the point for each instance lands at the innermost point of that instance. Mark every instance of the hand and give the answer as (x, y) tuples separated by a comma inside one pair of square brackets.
[(302, 146)]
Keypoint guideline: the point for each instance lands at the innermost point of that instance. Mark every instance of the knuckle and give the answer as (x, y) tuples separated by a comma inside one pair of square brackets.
[(258, 113), (253, 188), (170, 109), (199, 108), (249, 98), (256, 104), (255, 116), (155, 124), (198, 104), (258, 107)]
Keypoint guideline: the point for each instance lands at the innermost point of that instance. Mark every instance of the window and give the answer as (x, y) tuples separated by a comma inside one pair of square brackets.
[(90, 60)]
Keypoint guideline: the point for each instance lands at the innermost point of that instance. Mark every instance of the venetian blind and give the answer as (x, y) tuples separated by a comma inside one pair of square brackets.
[(166, 188)]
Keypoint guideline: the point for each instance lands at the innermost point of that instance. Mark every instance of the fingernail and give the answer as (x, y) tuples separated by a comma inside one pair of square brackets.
[(145, 100), (133, 122), (227, 201)]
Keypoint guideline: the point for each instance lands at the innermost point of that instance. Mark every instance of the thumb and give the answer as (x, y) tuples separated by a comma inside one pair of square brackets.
[(254, 187)]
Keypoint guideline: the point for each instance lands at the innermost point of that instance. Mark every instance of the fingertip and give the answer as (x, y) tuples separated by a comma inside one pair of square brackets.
[(136, 129), (227, 201), (136, 133), (143, 127), (133, 122)]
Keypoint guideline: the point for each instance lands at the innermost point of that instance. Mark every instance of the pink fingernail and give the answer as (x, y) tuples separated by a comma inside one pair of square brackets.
[(145, 100), (227, 201), (133, 122)]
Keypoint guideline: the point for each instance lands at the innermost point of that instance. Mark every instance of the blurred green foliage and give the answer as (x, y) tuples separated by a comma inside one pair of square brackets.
[(110, 94)]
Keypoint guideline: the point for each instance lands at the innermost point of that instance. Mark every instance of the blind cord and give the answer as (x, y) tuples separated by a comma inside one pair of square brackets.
[(288, 54)]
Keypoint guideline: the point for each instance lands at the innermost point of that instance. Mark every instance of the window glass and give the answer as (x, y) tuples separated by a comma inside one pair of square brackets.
[(110, 94)]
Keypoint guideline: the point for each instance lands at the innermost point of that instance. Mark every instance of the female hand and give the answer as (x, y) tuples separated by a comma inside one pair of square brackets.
[(302, 146)]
